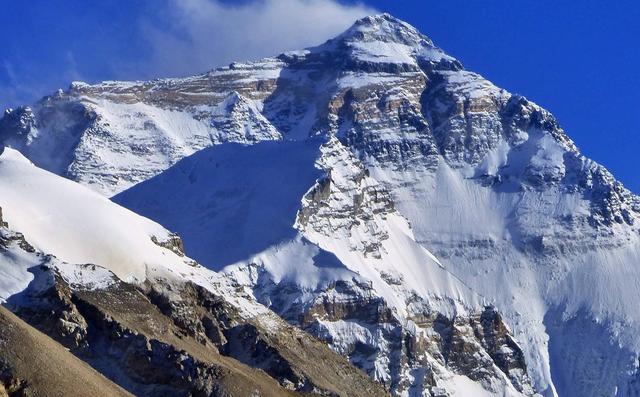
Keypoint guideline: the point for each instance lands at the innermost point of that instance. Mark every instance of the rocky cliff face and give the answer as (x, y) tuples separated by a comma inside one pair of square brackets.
[(388, 196), (153, 344), (32, 364)]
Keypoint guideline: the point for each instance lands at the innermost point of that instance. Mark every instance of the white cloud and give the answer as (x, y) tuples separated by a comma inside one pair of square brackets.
[(177, 38), (197, 35)]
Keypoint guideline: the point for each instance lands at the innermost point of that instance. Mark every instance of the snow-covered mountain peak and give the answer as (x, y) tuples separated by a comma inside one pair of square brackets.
[(240, 119), (235, 99), (235, 104), (384, 27), (384, 39)]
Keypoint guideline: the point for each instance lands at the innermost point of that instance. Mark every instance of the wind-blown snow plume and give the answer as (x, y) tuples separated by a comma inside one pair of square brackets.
[(202, 33)]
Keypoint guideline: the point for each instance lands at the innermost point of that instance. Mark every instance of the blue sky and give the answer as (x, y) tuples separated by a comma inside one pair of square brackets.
[(580, 60)]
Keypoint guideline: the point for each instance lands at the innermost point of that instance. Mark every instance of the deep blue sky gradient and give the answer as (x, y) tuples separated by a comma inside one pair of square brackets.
[(578, 59)]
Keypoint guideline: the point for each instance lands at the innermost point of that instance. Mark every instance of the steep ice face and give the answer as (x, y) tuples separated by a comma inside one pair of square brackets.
[(113, 135), (251, 192), (186, 323), (94, 244), (350, 214), (272, 193)]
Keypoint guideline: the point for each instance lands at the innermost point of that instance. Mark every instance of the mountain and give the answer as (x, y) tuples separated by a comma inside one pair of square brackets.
[(42, 366), (116, 290), (444, 235)]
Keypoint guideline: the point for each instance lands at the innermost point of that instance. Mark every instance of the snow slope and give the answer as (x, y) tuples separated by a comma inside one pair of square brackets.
[(54, 212), (14, 273), (59, 223)]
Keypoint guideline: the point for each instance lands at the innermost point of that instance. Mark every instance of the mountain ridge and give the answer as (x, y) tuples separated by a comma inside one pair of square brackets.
[(155, 324)]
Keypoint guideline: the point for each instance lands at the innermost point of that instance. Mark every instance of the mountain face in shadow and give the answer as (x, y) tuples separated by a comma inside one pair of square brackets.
[(229, 201)]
